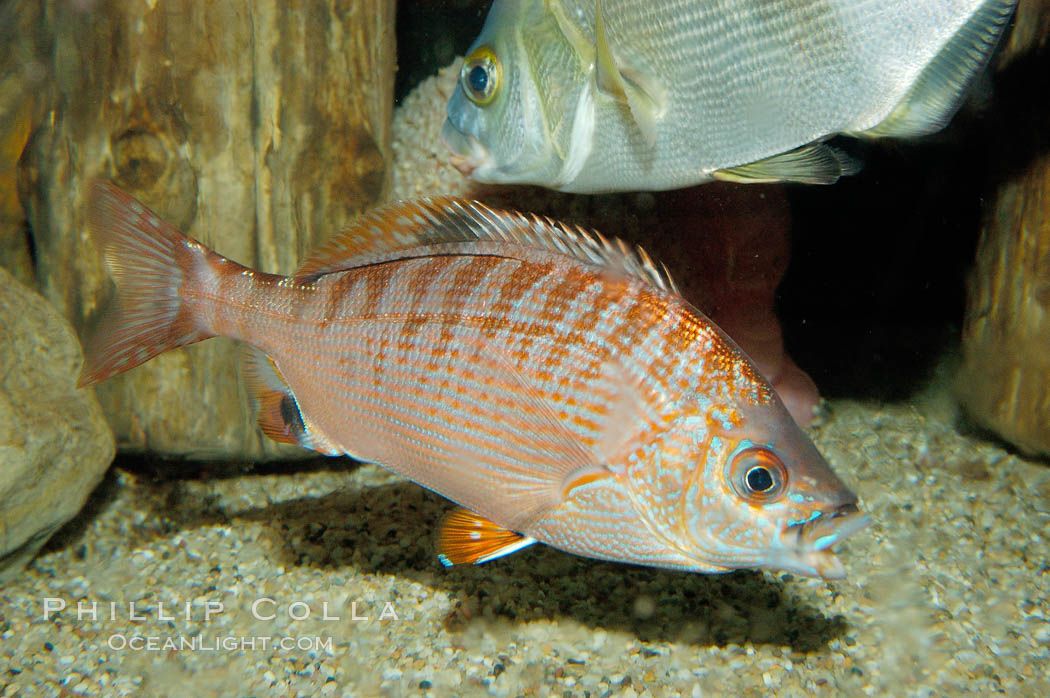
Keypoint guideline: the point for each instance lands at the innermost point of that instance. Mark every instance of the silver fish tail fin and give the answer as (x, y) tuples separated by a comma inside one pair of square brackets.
[(151, 262)]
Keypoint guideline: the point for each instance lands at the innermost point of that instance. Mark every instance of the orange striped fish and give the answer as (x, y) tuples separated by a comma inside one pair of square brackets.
[(548, 380)]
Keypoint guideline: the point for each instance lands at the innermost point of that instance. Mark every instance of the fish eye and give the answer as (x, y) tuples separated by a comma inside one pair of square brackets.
[(480, 75), (759, 479), (478, 79), (757, 474)]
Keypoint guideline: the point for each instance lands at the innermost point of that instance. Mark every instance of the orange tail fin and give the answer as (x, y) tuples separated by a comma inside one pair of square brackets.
[(151, 262)]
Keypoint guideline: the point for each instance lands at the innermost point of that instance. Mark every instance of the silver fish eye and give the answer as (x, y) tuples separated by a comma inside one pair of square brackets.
[(478, 79), (480, 76)]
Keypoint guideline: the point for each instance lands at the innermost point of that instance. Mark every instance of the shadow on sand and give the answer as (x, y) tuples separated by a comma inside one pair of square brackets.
[(389, 530)]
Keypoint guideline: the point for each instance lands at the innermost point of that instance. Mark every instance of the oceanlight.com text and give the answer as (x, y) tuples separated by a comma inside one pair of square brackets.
[(217, 643)]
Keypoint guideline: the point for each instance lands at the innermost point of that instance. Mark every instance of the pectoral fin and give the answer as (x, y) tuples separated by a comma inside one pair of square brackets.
[(609, 79), (583, 476), (466, 538), (640, 90), (814, 163)]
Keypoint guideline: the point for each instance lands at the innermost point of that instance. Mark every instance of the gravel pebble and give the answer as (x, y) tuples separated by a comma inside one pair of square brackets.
[(947, 592)]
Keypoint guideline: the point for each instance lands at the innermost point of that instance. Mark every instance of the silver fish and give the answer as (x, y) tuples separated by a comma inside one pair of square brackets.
[(615, 95)]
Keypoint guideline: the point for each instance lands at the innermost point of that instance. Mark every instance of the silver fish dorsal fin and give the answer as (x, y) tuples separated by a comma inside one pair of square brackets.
[(448, 225)]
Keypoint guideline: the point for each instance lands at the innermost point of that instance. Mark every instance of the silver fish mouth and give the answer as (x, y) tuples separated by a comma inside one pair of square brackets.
[(810, 542), (467, 153)]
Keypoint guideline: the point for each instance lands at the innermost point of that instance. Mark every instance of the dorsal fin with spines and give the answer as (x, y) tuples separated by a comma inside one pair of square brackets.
[(448, 225)]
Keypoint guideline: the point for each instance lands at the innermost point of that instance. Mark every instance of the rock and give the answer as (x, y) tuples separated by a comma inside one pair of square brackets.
[(55, 444), (258, 128)]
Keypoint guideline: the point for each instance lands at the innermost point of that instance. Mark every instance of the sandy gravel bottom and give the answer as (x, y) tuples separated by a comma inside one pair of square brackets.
[(949, 590)]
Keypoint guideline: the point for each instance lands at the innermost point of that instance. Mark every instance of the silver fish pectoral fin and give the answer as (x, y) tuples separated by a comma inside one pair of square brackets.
[(642, 93)]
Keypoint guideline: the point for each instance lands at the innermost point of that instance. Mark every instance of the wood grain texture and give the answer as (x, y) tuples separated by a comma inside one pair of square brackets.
[(1005, 380), (1005, 383), (259, 128)]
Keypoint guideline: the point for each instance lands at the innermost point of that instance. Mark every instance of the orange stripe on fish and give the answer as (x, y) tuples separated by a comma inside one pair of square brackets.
[(584, 477)]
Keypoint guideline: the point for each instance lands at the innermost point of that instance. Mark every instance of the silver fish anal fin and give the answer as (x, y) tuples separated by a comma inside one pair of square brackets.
[(466, 538), (815, 163)]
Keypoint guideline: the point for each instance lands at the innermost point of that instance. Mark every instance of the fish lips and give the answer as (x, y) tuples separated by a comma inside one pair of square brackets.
[(807, 546), (467, 153)]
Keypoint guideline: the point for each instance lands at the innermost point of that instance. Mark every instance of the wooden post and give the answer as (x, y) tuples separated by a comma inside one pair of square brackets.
[(259, 128), (1005, 380)]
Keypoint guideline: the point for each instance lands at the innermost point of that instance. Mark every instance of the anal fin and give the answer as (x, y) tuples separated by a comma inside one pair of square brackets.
[(277, 410), (466, 538), (814, 163)]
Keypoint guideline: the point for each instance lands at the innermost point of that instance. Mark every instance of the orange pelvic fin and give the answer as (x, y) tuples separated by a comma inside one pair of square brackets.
[(151, 262), (466, 538), (277, 410)]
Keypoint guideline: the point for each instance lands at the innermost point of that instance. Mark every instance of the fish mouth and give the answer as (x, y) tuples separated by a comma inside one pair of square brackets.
[(467, 153), (810, 542)]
